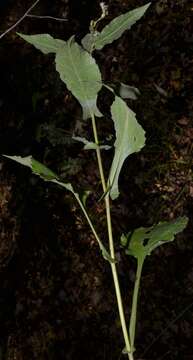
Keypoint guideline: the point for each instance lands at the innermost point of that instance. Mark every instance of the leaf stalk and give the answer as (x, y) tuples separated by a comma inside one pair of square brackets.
[(133, 317)]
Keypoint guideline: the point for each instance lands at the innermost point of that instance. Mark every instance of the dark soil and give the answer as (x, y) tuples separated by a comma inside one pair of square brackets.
[(56, 298)]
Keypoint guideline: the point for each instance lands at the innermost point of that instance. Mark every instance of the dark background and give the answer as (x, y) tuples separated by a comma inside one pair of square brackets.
[(56, 295)]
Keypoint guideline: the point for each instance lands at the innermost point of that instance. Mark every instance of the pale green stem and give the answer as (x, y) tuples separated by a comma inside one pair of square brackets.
[(105, 253), (111, 244), (88, 219), (133, 318), (103, 249), (98, 152)]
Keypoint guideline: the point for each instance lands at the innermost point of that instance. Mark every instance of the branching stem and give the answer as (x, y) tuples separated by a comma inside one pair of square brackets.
[(20, 20), (111, 243)]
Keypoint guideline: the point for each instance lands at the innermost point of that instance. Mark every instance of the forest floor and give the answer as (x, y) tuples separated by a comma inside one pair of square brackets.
[(56, 297)]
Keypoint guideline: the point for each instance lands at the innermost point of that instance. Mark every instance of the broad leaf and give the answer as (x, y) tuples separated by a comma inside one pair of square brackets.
[(79, 71), (130, 138), (48, 175), (144, 240), (114, 29), (44, 42)]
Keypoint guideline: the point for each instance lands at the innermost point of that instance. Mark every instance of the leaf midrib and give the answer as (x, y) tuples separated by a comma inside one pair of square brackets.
[(76, 72), (121, 146), (115, 31)]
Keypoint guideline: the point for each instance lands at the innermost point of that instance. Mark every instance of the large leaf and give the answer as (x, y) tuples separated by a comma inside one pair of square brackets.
[(48, 175), (79, 71), (144, 240), (114, 29), (130, 138), (44, 42)]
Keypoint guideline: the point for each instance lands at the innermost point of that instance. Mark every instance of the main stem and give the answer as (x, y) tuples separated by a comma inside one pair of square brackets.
[(111, 244)]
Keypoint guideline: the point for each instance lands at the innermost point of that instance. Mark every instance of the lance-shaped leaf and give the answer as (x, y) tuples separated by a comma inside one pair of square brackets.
[(130, 138), (43, 42), (79, 71), (144, 240), (128, 92), (48, 175), (114, 29), (89, 145), (37, 168)]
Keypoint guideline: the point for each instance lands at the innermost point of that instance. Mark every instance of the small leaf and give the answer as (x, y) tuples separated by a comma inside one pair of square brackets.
[(85, 196), (88, 41), (114, 29), (44, 42), (124, 239), (37, 168), (26, 161), (144, 240), (128, 92), (93, 146), (48, 175), (89, 145), (79, 71), (130, 138), (41, 170)]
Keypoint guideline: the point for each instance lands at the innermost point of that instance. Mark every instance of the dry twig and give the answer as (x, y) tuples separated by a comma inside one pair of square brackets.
[(20, 20), (46, 17)]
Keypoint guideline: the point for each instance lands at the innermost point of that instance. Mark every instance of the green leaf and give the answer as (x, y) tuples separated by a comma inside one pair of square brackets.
[(41, 170), (79, 71), (85, 196), (48, 175), (88, 41), (36, 167), (114, 29), (89, 145), (144, 240), (44, 42), (130, 138), (128, 92)]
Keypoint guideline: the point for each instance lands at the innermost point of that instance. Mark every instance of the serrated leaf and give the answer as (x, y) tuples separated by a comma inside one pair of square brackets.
[(46, 174), (79, 71), (43, 42), (130, 138), (144, 240), (114, 29)]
